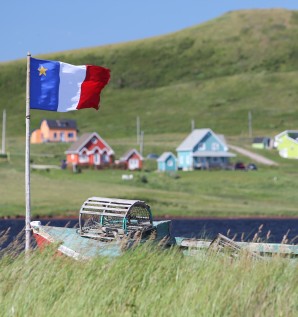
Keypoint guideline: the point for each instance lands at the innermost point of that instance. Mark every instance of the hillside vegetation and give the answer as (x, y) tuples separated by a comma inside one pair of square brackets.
[(213, 73)]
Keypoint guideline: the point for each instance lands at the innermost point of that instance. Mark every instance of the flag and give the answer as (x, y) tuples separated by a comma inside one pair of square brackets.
[(62, 87)]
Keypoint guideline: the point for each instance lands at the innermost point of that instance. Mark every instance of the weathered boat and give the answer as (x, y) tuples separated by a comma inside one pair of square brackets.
[(108, 227)]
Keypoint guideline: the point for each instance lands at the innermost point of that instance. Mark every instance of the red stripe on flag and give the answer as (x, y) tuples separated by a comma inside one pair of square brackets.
[(96, 79)]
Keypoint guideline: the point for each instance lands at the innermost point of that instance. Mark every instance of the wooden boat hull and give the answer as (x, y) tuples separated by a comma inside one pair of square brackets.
[(260, 248), (71, 243)]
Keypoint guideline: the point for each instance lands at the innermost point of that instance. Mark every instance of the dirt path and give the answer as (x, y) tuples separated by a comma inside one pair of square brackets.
[(256, 157)]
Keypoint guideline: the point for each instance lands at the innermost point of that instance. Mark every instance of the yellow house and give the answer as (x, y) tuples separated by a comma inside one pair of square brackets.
[(55, 131)]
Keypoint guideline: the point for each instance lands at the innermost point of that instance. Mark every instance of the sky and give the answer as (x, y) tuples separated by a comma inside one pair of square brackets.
[(41, 27)]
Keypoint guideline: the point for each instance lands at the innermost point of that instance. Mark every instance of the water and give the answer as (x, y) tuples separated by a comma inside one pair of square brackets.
[(244, 229)]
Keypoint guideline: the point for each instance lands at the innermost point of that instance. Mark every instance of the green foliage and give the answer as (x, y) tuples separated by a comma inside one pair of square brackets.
[(147, 282)]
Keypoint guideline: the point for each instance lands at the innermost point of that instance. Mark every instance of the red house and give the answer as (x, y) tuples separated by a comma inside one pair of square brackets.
[(90, 150), (132, 160)]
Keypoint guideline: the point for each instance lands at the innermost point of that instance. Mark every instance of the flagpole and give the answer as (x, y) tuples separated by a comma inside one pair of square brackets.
[(3, 131), (27, 159)]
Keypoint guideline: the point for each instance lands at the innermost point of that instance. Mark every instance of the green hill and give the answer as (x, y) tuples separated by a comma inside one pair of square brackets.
[(213, 73)]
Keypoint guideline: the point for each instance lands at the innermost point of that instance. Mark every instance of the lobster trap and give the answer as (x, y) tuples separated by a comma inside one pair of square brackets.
[(108, 219)]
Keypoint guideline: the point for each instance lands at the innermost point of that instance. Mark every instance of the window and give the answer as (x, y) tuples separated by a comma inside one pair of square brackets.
[(170, 163), (215, 146), (201, 146), (83, 158), (55, 135), (70, 135), (94, 140), (133, 164)]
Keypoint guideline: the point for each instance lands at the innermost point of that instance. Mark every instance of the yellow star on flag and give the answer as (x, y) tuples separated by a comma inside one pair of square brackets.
[(42, 70)]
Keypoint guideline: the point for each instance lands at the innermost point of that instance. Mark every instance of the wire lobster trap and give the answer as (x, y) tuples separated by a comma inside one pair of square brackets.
[(108, 219)]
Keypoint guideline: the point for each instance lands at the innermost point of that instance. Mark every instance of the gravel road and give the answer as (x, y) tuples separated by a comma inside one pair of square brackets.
[(255, 157)]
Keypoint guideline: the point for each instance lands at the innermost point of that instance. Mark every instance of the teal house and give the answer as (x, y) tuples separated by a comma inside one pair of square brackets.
[(203, 149), (167, 162), (287, 144)]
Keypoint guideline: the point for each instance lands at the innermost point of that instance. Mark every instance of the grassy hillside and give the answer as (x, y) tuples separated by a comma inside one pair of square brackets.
[(213, 73)]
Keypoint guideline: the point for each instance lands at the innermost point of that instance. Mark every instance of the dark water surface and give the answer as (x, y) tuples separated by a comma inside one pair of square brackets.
[(244, 229)]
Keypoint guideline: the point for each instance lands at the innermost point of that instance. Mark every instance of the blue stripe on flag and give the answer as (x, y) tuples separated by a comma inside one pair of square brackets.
[(44, 84)]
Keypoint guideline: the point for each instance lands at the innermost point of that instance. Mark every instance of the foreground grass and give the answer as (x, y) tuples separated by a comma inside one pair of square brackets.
[(147, 282)]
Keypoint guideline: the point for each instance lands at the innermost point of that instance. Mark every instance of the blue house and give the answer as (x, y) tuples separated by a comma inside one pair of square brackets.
[(203, 149), (167, 162)]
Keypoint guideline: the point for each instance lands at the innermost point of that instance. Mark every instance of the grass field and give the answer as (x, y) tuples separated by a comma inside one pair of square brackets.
[(147, 282), (270, 191)]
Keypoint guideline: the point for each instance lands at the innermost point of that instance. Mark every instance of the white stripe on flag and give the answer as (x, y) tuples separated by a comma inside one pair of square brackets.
[(71, 79)]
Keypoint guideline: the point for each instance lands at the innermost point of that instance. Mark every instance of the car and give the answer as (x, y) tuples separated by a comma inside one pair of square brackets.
[(152, 156), (240, 166), (251, 167)]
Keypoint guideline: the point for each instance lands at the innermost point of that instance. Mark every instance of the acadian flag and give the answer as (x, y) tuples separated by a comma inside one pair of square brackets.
[(61, 87)]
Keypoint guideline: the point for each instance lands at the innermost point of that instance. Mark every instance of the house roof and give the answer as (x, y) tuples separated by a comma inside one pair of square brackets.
[(66, 124), (129, 153), (83, 140), (288, 132), (260, 139), (164, 156), (195, 137)]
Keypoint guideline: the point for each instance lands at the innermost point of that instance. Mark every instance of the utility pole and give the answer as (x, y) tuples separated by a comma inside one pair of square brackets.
[(249, 124), (138, 130), (3, 132), (192, 124), (141, 143)]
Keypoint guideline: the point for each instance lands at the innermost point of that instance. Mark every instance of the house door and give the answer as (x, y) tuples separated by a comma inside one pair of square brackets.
[(96, 158), (62, 137), (105, 157)]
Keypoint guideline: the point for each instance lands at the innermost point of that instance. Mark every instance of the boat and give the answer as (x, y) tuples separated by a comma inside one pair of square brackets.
[(110, 226)]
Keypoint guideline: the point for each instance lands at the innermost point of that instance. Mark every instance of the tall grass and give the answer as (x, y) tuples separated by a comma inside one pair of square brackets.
[(147, 282)]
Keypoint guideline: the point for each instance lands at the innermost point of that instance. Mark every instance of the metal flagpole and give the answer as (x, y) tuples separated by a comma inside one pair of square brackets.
[(3, 131), (27, 159)]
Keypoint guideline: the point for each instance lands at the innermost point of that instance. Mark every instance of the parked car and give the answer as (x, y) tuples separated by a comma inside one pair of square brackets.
[(251, 167), (240, 166), (152, 156)]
